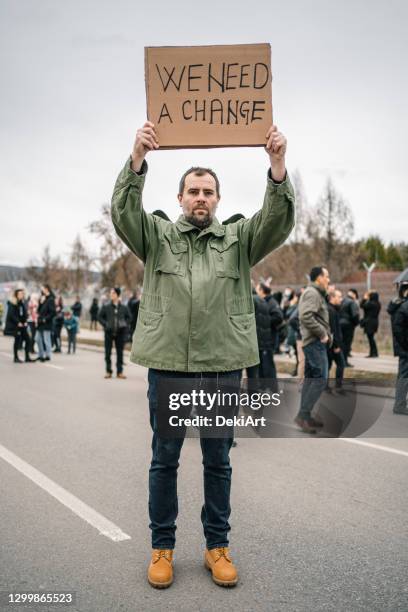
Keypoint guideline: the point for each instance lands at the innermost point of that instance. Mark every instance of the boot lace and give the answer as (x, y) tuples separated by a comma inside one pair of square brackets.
[(221, 552), (158, 554)]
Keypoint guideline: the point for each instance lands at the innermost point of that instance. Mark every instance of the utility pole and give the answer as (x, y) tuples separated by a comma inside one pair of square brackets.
[(369, 269)]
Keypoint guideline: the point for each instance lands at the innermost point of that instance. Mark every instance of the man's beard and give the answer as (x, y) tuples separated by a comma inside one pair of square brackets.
[(200, 222)]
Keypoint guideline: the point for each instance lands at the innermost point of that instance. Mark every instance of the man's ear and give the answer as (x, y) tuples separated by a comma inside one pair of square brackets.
[(179, 197)]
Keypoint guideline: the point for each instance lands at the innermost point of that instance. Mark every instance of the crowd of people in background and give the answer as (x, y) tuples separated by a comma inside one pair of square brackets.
[(36, 322), (287, 322)]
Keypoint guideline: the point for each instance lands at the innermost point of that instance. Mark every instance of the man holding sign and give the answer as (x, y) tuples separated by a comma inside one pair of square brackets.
[(196, 318)]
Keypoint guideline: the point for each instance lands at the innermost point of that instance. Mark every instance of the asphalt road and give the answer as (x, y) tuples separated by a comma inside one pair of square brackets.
[(317, 524)]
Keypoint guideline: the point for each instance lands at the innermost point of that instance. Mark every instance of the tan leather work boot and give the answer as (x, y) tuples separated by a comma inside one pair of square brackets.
[(160, 573), (218, 561)]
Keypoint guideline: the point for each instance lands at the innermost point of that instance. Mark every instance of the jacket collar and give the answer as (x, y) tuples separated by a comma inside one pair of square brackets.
[(215, 228), (320, 289)]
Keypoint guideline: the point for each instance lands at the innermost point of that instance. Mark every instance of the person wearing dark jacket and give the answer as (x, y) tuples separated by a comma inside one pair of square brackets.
[(268, 317), (275, 318), (349, 319), (133, 308), (46, 313), (371, 306), (93, 311), (58, 324), (335, 350), (114, 318), (16, 325), (398, 310), (77, 307)]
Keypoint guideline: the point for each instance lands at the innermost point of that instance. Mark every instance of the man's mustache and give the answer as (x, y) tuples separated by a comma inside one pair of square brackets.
[(200, 207)]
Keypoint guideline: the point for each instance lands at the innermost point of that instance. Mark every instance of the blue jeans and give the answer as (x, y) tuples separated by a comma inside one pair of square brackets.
[(316, 375), (43, 338), (163, 502), (401, 389)]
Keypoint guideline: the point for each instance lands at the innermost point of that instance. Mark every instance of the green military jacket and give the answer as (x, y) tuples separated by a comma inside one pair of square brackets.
[(196, 313)]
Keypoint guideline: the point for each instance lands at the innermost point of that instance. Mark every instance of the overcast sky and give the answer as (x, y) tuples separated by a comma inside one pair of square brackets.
[(72, 76)]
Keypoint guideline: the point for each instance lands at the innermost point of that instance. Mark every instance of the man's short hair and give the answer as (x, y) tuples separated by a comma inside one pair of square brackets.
[(199, 171), (315, 272), (17, 291), (265, 289), (354, 291), (117, 290), (333, 292)]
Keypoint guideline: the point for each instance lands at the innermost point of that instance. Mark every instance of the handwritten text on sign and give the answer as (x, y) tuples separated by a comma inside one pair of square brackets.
[(209, 96)]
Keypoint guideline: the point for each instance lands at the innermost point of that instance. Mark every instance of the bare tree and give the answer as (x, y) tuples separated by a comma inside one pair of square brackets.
[(49, 270), (302, 210), (334, 222), (79, 263), (118, 265)]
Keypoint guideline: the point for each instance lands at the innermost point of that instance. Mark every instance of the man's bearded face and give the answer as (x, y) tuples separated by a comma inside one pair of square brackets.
[(199, 199)]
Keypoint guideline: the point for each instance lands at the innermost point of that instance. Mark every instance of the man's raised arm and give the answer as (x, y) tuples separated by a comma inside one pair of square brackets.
[(132, 224), (270, 227)]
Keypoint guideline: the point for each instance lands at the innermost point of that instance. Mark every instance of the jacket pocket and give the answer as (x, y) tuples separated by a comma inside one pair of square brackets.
[(149, 320), (172, 257), (225, 254), (243, 322)]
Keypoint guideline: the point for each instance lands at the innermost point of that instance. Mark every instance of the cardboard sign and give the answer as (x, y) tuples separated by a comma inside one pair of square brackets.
[(215, 96)]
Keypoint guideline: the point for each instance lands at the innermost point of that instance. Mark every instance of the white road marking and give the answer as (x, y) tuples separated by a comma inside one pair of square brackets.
[(387, 449), (6, 354), (88, 514)]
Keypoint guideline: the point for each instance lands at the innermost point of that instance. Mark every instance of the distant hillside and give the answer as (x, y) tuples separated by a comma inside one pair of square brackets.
[(14, 273), (10, 273)]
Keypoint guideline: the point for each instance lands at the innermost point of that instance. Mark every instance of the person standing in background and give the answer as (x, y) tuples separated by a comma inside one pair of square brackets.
[(315, 330), (46, 314), (58, 323), (398, 311), (32, 307), (71, 325), (114, 318), (133, 307), (16, 325), (349, 319), (77, 310), (335, 351), (371, 306), (93, 312)]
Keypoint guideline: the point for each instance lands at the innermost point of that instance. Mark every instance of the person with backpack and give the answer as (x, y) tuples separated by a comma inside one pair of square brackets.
[(398, 311)]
